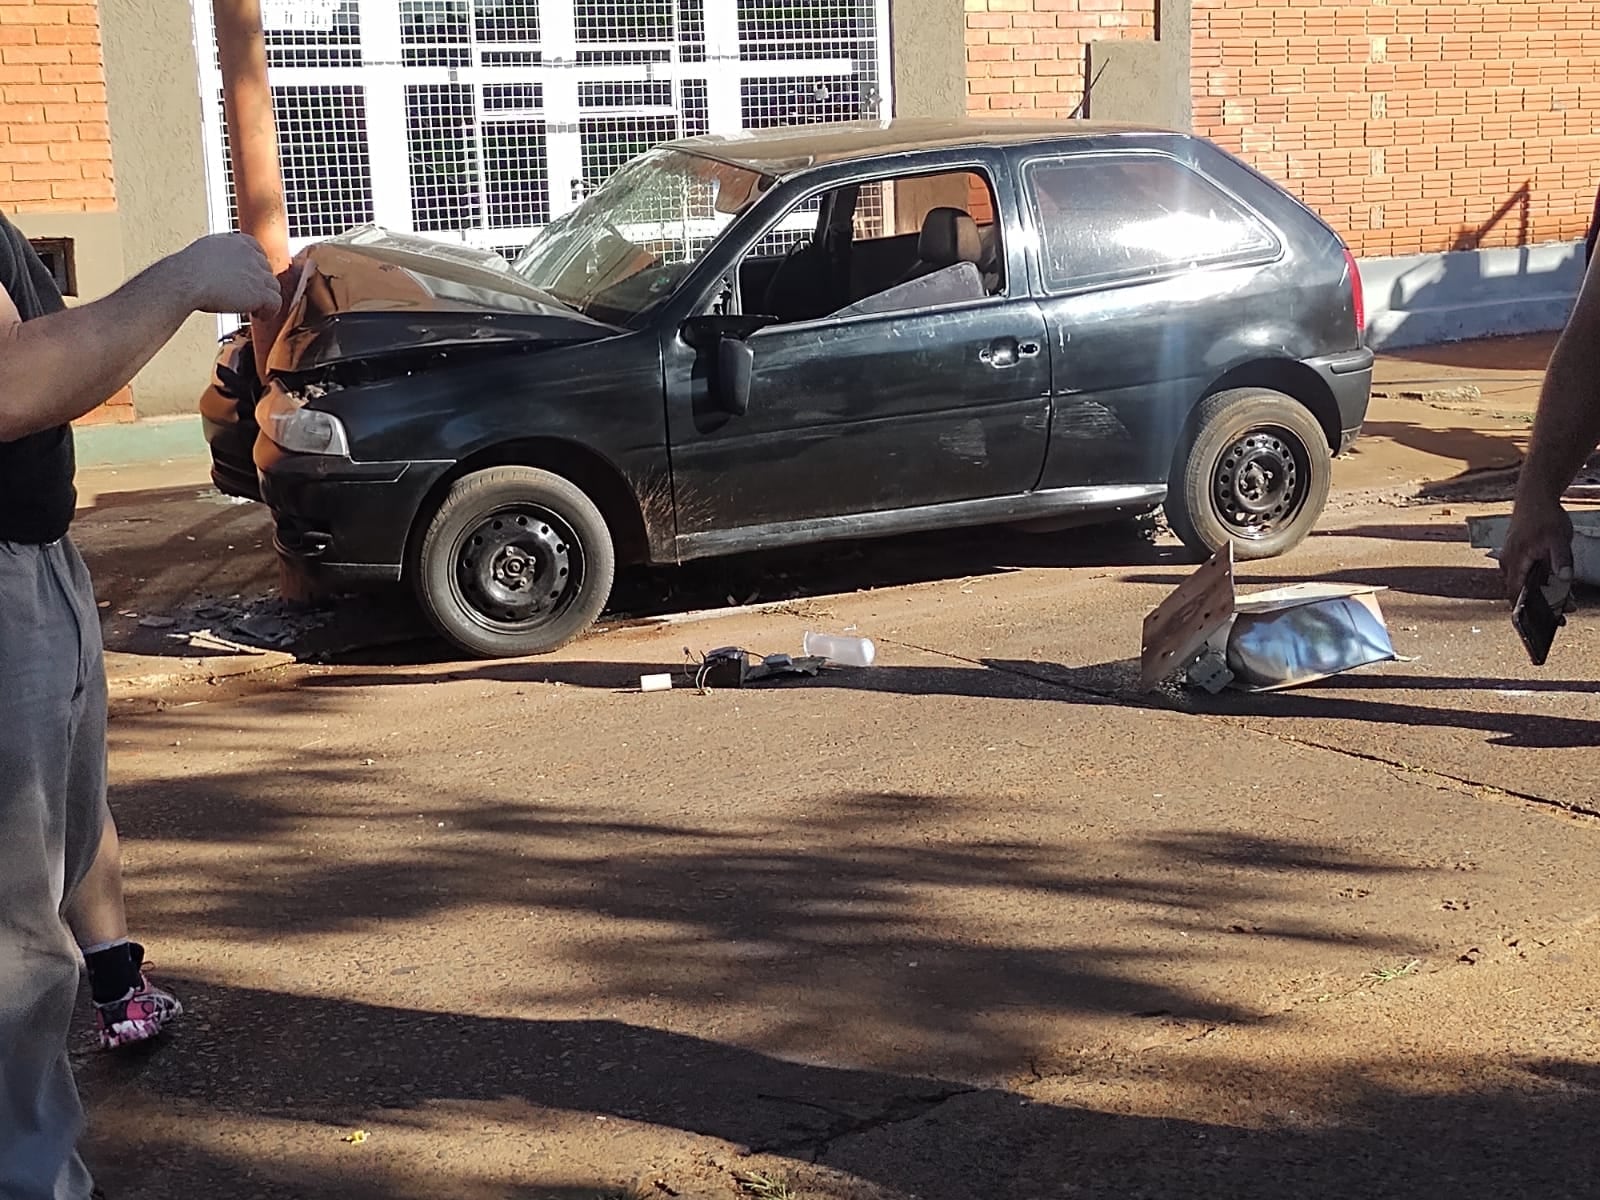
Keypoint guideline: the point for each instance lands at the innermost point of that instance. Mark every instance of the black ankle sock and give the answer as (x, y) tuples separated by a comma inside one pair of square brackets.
[(114, 971)]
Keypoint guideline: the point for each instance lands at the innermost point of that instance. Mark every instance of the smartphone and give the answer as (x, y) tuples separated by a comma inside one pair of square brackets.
[(1536, 622)]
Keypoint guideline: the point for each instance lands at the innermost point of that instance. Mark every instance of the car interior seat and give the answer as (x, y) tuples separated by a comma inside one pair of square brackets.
[(949, 236)]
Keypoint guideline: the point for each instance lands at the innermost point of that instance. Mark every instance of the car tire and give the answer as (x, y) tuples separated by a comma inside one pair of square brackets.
[(515, 561), (1253, 469)]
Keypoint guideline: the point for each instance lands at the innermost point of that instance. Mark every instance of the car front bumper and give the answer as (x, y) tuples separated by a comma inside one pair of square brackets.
[(343, 523), (1349, 377)]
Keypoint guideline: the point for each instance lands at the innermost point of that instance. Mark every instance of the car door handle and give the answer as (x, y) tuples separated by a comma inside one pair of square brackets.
[(1005, 352)]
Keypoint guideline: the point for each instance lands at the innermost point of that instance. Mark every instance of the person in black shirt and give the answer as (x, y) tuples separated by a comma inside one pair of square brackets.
[(56, 364)]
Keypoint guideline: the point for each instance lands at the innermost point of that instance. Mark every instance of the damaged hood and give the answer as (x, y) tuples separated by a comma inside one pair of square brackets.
[(370, 293)]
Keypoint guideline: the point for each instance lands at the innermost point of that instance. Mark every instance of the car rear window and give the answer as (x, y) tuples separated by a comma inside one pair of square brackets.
[(1107, 218)]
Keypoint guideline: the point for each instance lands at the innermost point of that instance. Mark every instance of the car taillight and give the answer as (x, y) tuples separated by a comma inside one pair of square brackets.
[(1357, 295)]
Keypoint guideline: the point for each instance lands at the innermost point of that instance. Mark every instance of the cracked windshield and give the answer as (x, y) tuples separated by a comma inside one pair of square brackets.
[(632, 241)]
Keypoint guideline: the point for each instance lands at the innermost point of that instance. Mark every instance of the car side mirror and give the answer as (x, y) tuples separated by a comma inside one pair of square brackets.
[(736, 365), (705, 332)]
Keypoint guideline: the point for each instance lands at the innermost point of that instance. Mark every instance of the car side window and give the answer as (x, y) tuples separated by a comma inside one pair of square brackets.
[(1108, 218), (878, 246)]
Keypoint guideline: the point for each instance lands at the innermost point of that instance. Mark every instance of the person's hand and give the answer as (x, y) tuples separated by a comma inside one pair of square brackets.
[(229, 273), (1540, 531)]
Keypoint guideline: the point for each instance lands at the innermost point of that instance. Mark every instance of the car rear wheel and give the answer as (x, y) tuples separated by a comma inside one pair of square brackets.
[(1253, 469), (515, 561)]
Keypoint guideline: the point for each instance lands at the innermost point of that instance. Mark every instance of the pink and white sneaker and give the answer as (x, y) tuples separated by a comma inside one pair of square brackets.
[(144, 1012)]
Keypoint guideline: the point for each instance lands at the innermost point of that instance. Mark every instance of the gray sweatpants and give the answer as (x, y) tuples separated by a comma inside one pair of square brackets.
[(52, 797)]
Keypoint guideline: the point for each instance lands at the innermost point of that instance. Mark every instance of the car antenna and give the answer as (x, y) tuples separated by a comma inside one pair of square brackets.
[(1089, 87)]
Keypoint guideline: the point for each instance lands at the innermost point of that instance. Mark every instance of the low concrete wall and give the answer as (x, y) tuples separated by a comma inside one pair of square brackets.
[(1450, 297)]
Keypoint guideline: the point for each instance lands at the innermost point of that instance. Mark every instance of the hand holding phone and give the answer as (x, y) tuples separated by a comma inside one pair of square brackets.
[(1535, 618)]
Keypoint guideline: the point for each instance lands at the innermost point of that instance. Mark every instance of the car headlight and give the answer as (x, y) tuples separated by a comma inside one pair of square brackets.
[(286, 420)]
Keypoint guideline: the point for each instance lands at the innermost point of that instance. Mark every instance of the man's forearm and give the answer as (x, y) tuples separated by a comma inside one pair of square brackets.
[(1566, 428), (57, 368)]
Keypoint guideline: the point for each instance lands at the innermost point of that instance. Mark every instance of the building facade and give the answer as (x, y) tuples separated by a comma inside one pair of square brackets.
[(1454, 146), (1451, 144)]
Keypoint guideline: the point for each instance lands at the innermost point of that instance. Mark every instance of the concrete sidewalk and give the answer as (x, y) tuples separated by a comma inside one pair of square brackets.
[(162, 543), (1439, 412)]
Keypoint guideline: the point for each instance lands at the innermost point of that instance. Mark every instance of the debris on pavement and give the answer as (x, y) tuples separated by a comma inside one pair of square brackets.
[(841, 651), (1489, 533), (1206, 633), (732, 667), (655, 683), (252, 625)]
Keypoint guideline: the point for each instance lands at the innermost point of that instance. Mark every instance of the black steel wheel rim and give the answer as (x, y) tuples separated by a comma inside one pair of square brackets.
[(517, 568), (1260, 482)]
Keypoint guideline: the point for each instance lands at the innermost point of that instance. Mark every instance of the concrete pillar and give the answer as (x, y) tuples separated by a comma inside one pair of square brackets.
[(158, 156), (928, 50)]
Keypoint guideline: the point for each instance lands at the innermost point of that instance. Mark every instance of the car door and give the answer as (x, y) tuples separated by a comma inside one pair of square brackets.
[(1145, 268), (865, 412)]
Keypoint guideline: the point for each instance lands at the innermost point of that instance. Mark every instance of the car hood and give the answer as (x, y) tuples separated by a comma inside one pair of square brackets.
[(370, 293)]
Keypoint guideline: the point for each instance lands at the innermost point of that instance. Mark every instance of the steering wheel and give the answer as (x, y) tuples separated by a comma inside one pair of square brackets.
[(795, 250)]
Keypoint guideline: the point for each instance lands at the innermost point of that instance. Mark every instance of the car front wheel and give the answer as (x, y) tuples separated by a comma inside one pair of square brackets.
[(516, 561), (1254, 469)]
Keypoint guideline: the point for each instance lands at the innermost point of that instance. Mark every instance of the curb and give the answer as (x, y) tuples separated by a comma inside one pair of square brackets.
[(131, 676)]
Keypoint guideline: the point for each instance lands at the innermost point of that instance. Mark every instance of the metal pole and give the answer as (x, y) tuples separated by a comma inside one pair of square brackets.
[(253, 148), (257, 184)]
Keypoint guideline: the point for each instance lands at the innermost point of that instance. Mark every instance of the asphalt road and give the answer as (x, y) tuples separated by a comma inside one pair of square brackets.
[(980, 921)]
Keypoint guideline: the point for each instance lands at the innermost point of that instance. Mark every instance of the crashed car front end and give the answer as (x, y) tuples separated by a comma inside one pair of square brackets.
[(379, 326)]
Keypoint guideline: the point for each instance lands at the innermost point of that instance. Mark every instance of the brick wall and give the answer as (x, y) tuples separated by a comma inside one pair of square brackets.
[(1412, 127), (55, 144), (55, 140), (1025, 57)]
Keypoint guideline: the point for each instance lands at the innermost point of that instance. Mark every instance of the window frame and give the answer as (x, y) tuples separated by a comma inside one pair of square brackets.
[(1026, 169), (989, 170)]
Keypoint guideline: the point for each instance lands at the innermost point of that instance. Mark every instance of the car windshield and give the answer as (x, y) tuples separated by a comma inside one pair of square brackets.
[(630, 243)]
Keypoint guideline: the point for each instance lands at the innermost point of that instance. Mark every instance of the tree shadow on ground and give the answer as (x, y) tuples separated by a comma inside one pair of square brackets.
[(824, 914), (859, 921), (1463, 1129)]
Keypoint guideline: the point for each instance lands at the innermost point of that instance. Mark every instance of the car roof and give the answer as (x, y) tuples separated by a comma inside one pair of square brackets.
[(790, 148)]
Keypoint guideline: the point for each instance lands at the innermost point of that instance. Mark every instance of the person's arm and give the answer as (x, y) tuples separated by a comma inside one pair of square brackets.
[(59, 367), (1566, 430)]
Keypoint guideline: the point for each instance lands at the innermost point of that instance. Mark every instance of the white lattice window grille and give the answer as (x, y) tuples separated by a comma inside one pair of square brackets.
[(477, 121)]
